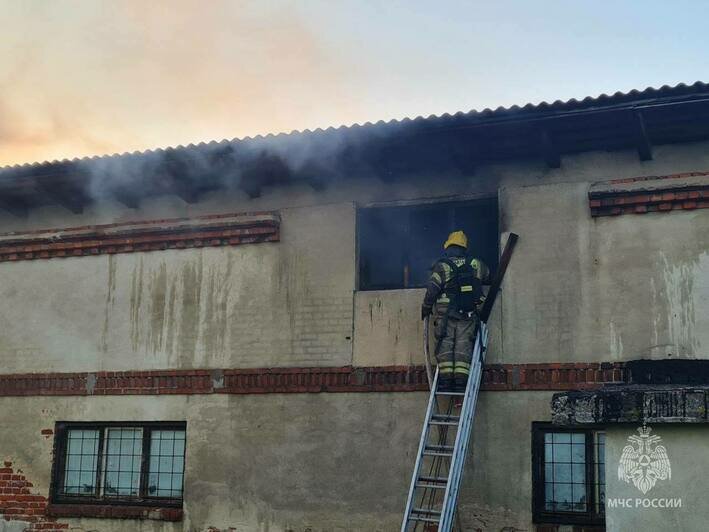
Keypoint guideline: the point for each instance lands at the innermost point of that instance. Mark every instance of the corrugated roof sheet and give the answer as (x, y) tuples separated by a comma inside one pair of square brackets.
[(473, 117)]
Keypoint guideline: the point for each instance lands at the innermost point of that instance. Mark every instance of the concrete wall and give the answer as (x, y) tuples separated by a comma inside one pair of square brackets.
[(686, 446), (261, 463), (611, 288), (318, 462), (579, 289), (274, 304), (497, 486), (388, 328), (574, 290)]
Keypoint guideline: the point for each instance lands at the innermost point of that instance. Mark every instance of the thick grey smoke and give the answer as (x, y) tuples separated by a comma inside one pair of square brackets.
[(315, 157)]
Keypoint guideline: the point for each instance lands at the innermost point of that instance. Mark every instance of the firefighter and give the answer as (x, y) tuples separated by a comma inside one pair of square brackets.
[(454, 296)]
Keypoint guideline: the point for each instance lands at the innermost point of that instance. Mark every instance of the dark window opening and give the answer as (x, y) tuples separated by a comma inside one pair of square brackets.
[(398, 245), (569, 485), (119, 463)]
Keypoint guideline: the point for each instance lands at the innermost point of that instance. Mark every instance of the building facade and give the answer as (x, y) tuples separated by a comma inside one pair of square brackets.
[(228, 336)]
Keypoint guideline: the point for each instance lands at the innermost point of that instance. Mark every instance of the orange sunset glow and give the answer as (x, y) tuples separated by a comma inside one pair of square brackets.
[(86, 77)]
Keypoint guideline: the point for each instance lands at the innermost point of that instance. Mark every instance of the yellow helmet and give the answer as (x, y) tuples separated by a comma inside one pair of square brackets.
[(456, 238)]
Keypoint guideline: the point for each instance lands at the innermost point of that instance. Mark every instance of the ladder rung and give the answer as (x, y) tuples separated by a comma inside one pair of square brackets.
[(445, 417), (424, 511), (454, 394), (441, 419), (451, 423), (424, 519), (430, 485), (447, 448), (438, 450), (433, 479), (435, 453)]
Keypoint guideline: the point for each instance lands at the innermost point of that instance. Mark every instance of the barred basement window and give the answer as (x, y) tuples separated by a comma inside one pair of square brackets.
[(569, 481), (119, 463)]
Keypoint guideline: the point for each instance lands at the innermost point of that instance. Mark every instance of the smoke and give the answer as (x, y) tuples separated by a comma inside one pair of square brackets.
[(98, 77), (316, 158)]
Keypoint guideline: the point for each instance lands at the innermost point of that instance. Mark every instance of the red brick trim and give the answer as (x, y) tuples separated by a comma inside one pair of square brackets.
[(152, 235), (639, 195), (109, 511), (496, 377), (552, 376)]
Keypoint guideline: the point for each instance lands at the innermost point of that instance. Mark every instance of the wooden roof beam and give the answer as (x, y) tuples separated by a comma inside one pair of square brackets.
[(186, 191), (466, 155), (71, 198), (642, 137), (548, 147), (127, 197), (14, 206)]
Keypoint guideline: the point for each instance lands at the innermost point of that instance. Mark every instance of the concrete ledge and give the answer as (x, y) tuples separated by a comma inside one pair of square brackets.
[(632, 404)]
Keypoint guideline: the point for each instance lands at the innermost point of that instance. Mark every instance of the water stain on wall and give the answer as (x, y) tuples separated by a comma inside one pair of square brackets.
[(179, 308), (110, 302), (679, 291), (188, 332), (136, 300), (216, 312), (158, 307)]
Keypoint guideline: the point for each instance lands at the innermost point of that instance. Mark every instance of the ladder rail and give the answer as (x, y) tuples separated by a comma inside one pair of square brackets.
[(463, 434), (459, 449), (419, 454)]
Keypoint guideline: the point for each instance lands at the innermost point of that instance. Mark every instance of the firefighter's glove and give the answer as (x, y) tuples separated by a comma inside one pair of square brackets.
[(425, 311)]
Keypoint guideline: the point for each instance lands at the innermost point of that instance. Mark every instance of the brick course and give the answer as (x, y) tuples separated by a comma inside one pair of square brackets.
[(152, 235), (663, 194), (496, 377)]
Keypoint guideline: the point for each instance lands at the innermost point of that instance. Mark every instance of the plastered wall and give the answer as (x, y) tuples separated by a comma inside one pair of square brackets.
[(578, 289), (611, 288), (319, 462), (273, 304)]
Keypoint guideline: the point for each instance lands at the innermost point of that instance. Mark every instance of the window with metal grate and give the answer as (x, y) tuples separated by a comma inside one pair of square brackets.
[(119, 463)]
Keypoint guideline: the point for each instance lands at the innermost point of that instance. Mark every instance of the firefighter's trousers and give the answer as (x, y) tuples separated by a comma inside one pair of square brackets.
[(455, 339)]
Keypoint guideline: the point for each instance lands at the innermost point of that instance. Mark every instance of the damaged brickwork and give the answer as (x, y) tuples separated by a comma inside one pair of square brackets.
[(19, 503)]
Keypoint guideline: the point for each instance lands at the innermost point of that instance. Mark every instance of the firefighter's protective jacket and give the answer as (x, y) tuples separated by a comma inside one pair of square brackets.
[(442, 274)]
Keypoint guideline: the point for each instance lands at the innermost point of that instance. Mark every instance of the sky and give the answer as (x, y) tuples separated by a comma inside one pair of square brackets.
[(90, 77)]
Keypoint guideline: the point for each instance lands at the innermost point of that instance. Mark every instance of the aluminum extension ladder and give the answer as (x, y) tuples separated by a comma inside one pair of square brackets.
[(435, 483)]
